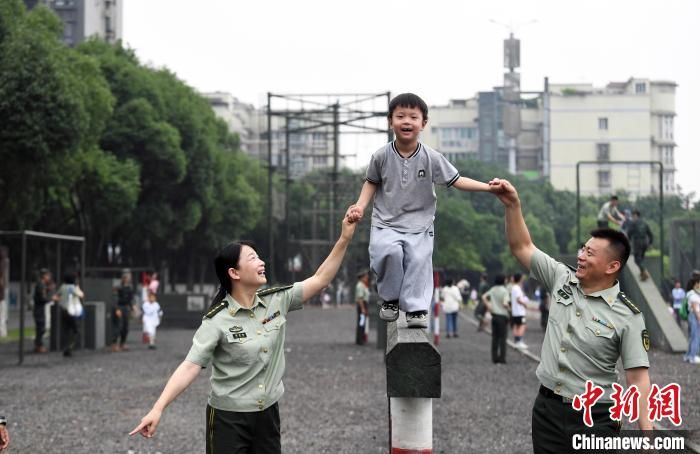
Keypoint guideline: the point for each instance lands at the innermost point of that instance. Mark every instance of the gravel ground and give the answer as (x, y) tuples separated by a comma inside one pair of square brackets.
[(335, 400)]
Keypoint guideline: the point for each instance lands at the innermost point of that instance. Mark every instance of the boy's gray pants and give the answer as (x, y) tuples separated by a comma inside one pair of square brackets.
[(403, 264)]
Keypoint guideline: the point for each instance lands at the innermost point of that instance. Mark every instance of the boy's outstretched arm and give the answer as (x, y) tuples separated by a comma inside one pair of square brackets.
[(467, 184), (356, 211)]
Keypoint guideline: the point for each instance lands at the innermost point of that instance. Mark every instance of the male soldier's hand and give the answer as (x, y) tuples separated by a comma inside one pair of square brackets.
[(505, 192), (118, 313)]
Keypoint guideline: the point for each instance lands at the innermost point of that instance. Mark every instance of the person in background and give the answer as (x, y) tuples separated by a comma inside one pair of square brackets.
[(44, 293), (692, 356), (609, 213), (464, 288), (152, 314), (480, 310), (69, 297), (121, 313), (362, 304), (518, 310), (451, 300), (677, 297), (640, 237), (496, 301)]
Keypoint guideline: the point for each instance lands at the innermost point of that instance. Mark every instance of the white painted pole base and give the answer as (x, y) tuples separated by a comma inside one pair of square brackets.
[(411, 425)]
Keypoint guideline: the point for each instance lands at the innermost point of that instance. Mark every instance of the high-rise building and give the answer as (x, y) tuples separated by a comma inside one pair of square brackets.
[(83, 19), (310, 146), (453, 129), (624, 121)]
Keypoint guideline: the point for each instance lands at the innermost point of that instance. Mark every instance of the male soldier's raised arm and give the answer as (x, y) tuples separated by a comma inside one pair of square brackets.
[(518, 236)]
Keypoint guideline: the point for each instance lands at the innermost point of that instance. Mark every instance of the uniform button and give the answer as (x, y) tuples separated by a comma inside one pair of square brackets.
[(557, 390), (563, 349), (260, 386), (252, 315), (265, 350), (597, 332), (558, 383), (259, 332), (578, 314), (260, 401), (260, 407)]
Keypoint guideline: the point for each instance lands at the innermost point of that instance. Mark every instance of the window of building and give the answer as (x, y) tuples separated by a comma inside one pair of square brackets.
[(320, 160), (640, 87), (603, 152), (603, 123), (68, 30), (604, 179)]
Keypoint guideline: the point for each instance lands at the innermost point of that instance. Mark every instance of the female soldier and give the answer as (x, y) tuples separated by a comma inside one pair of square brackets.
[(242, 337)]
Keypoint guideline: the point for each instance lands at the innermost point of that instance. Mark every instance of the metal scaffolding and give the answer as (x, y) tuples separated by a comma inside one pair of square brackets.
[(328, 115), (24, 289)]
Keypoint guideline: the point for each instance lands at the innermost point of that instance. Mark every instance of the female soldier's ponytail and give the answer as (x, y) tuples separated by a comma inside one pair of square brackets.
[(227, 258)]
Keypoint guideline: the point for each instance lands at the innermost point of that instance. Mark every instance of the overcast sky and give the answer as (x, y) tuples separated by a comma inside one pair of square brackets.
[(439, 49)]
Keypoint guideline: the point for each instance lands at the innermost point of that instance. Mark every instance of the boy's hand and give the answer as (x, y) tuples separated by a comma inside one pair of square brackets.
[(505, 192), (354, 213)]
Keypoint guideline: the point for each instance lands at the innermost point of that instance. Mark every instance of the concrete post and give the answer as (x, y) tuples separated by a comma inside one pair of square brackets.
[(413, 377)]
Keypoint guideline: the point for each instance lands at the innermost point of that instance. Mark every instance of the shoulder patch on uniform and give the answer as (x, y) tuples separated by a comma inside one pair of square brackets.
[(626, 301), (646, 341), (270, 291), (216, 309)]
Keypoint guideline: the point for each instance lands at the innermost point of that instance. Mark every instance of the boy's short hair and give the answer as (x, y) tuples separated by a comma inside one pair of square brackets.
[(619, 244), (408, 100)]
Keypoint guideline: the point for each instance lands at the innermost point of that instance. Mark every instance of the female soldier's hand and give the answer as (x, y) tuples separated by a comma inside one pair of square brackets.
[(348, 228), (148, 424)]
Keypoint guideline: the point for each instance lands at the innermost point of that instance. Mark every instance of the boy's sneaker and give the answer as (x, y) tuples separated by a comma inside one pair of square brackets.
[(418, 319), (521, 345), (389, 311)]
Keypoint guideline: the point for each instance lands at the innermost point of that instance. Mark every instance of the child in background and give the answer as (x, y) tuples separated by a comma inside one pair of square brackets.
[(151, 319)]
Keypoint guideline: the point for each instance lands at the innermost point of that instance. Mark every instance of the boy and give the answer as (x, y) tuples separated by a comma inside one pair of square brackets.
[(400, 178), (151, 319)]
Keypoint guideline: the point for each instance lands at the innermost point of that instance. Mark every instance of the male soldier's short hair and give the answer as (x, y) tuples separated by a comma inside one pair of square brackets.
[(613, 197), (637, 213), (619, 244), (408, 100)]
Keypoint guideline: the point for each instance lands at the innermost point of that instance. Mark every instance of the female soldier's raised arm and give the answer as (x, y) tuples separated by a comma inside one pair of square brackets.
[(328, 269)]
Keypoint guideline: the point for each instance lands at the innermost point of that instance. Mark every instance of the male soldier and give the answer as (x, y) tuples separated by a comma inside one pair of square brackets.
[(43, 294), (591, 325), (609, 212), (641, 238)]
